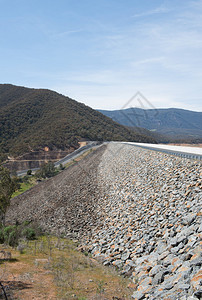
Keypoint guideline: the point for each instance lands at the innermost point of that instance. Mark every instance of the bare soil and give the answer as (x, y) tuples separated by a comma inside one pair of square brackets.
[(52, 268)]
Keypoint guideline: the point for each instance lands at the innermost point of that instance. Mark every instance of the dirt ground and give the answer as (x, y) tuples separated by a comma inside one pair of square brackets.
[(82, 144), (54, 269)]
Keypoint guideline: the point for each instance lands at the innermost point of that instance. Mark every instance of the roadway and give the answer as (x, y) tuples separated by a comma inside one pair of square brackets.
[(67, 158), (182, 151)]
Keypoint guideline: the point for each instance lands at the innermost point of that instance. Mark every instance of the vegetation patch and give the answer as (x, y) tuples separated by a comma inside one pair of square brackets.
[(52, 268), (25, 184), (13, 234)]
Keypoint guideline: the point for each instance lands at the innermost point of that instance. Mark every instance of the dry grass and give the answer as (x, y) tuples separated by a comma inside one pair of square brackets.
[(52, 268)]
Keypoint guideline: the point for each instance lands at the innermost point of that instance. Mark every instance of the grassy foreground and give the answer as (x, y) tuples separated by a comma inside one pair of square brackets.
[(52, 268)]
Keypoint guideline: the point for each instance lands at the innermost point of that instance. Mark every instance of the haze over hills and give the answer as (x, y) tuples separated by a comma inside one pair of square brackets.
[(35, 118), (173, 122)]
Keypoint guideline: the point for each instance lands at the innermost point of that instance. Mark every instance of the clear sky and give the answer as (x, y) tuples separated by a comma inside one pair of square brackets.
[(101, 52)]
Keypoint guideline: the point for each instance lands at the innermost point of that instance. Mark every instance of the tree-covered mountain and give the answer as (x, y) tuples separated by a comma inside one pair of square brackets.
[(175, 123), (35, 118)]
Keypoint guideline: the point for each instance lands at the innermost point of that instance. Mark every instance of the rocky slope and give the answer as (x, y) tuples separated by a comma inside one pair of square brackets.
[(134, 209), (65, 204), (151, 221)]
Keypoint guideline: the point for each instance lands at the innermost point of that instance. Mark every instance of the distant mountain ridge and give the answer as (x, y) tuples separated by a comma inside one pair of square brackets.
[(172, 121), (35, 118)]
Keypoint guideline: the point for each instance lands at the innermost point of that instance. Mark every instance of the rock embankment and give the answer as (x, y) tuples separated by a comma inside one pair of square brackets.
[(150, 230), (135, 209), (65, 204)]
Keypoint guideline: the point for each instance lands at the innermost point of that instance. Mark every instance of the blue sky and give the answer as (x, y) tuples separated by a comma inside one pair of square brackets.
[(102, 52)]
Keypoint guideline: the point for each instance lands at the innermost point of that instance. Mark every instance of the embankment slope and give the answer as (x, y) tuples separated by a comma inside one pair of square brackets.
[(65, 204), (135, 209)]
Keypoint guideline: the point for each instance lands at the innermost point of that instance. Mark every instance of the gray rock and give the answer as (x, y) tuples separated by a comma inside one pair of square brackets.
[(168, 286), (182, 286), (156, 269), (200, 228), (189, 219), (106, 262), (126, 270), (118, 263), (198, 294), (174, 242), (125, 256), (196, 262), (187, 256), (163, 255), (158, 278), (182, 239), (140, 250), (138, 295)]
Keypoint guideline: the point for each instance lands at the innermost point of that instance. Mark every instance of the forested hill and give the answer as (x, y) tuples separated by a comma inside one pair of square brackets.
[(34, 118)]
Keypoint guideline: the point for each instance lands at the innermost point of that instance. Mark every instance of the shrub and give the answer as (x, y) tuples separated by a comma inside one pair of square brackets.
[(29, 172), (26, 223), (29, 233), (7, 231), (1, 236), (11, 235), (61, 167), (47, 170), (25, 179), (13, 238)]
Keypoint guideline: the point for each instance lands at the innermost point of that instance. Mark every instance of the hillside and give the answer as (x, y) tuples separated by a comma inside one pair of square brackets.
[(35, 118), (175, 123)]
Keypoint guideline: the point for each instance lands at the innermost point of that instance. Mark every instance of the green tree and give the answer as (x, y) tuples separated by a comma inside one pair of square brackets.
[(46, 171), (8, 186), (29, 172), (61, 167)]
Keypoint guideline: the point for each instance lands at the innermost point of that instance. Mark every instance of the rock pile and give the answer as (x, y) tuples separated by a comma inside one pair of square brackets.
[(134, 209), (65, 204), (150, 227)]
